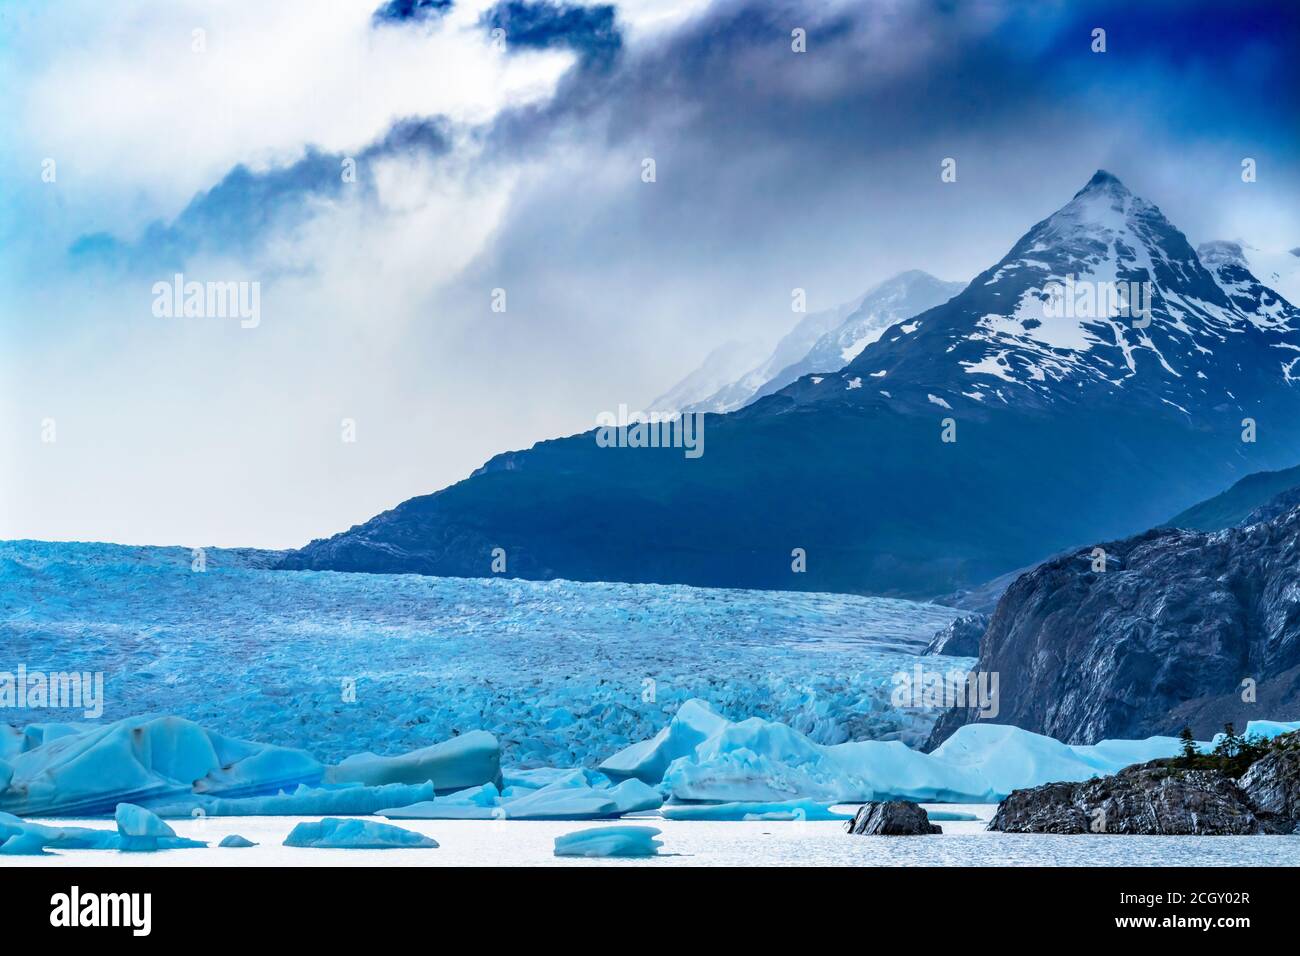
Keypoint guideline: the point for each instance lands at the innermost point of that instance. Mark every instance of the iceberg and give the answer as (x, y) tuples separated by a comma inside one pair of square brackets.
[(792, 810), (333, 833), (633, 796), (951, 816), (474, 803), (346, 799), (141, 831), (236, 841), (24, 843), (140, 761), (709, 759), (609, 841), (561, 802), (61, 838), (465, 761)]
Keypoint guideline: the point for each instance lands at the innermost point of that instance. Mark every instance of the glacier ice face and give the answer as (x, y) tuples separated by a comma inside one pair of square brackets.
[(609, 841), (429, 658), (332, 833)]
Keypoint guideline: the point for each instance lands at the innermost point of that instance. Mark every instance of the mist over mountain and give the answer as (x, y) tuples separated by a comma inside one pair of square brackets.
[(827, 341)]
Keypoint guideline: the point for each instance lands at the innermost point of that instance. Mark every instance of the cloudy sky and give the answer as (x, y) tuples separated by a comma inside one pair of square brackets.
[(379, 171)]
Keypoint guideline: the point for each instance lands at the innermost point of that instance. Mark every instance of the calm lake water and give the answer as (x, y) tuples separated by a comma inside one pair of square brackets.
[(527, 843)]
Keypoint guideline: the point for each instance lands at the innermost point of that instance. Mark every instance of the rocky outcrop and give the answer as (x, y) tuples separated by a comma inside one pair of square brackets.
[(1156, 798), (892, 818), (1141, 636), (961, 638), (1272, 785)]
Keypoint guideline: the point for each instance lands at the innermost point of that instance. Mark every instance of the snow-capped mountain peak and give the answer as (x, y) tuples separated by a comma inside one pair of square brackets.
[(1103, 299)]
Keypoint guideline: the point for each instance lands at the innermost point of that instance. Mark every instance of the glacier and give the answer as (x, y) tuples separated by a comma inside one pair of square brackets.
[(563, 674), (408, 697)]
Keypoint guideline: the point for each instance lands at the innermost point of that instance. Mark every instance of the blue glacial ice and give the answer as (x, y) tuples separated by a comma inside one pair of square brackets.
[(177, 768), (562, 673), (465, 761), (791, 810), (568, 796), (567, 700), (141, 831), (711, 759), (346, 799), (235, 841), (353, 834), (473, 803), (609, 841)]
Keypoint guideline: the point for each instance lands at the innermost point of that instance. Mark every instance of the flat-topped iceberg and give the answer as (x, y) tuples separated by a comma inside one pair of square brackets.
[(352, 834), (609, 841)]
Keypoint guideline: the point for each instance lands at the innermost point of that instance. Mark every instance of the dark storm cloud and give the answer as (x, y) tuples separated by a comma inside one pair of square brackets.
[(542, 25), (406, 11), (237, 212)]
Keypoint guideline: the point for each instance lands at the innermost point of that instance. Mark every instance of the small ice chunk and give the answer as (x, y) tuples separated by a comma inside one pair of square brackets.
[(609, 841), (235, 840)]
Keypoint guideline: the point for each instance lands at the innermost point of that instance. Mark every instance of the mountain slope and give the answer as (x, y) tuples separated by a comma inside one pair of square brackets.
[(792, 347), (827, 341), (1067, 430), (720, 368), (1230, 508)]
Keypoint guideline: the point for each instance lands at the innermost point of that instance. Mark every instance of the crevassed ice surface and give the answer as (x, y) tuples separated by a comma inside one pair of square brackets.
[(564, 673)]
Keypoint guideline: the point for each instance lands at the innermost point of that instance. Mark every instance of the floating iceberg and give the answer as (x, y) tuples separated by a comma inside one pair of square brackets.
[(473, 803), (947, 816), (146, 760), (465, 761), (633, 796), (706, 758), (797, 810), (609, 841), (59, 838), (236, 841), (142, 831), (346, 799), (178, 768), (561, 802), (352, 834)]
